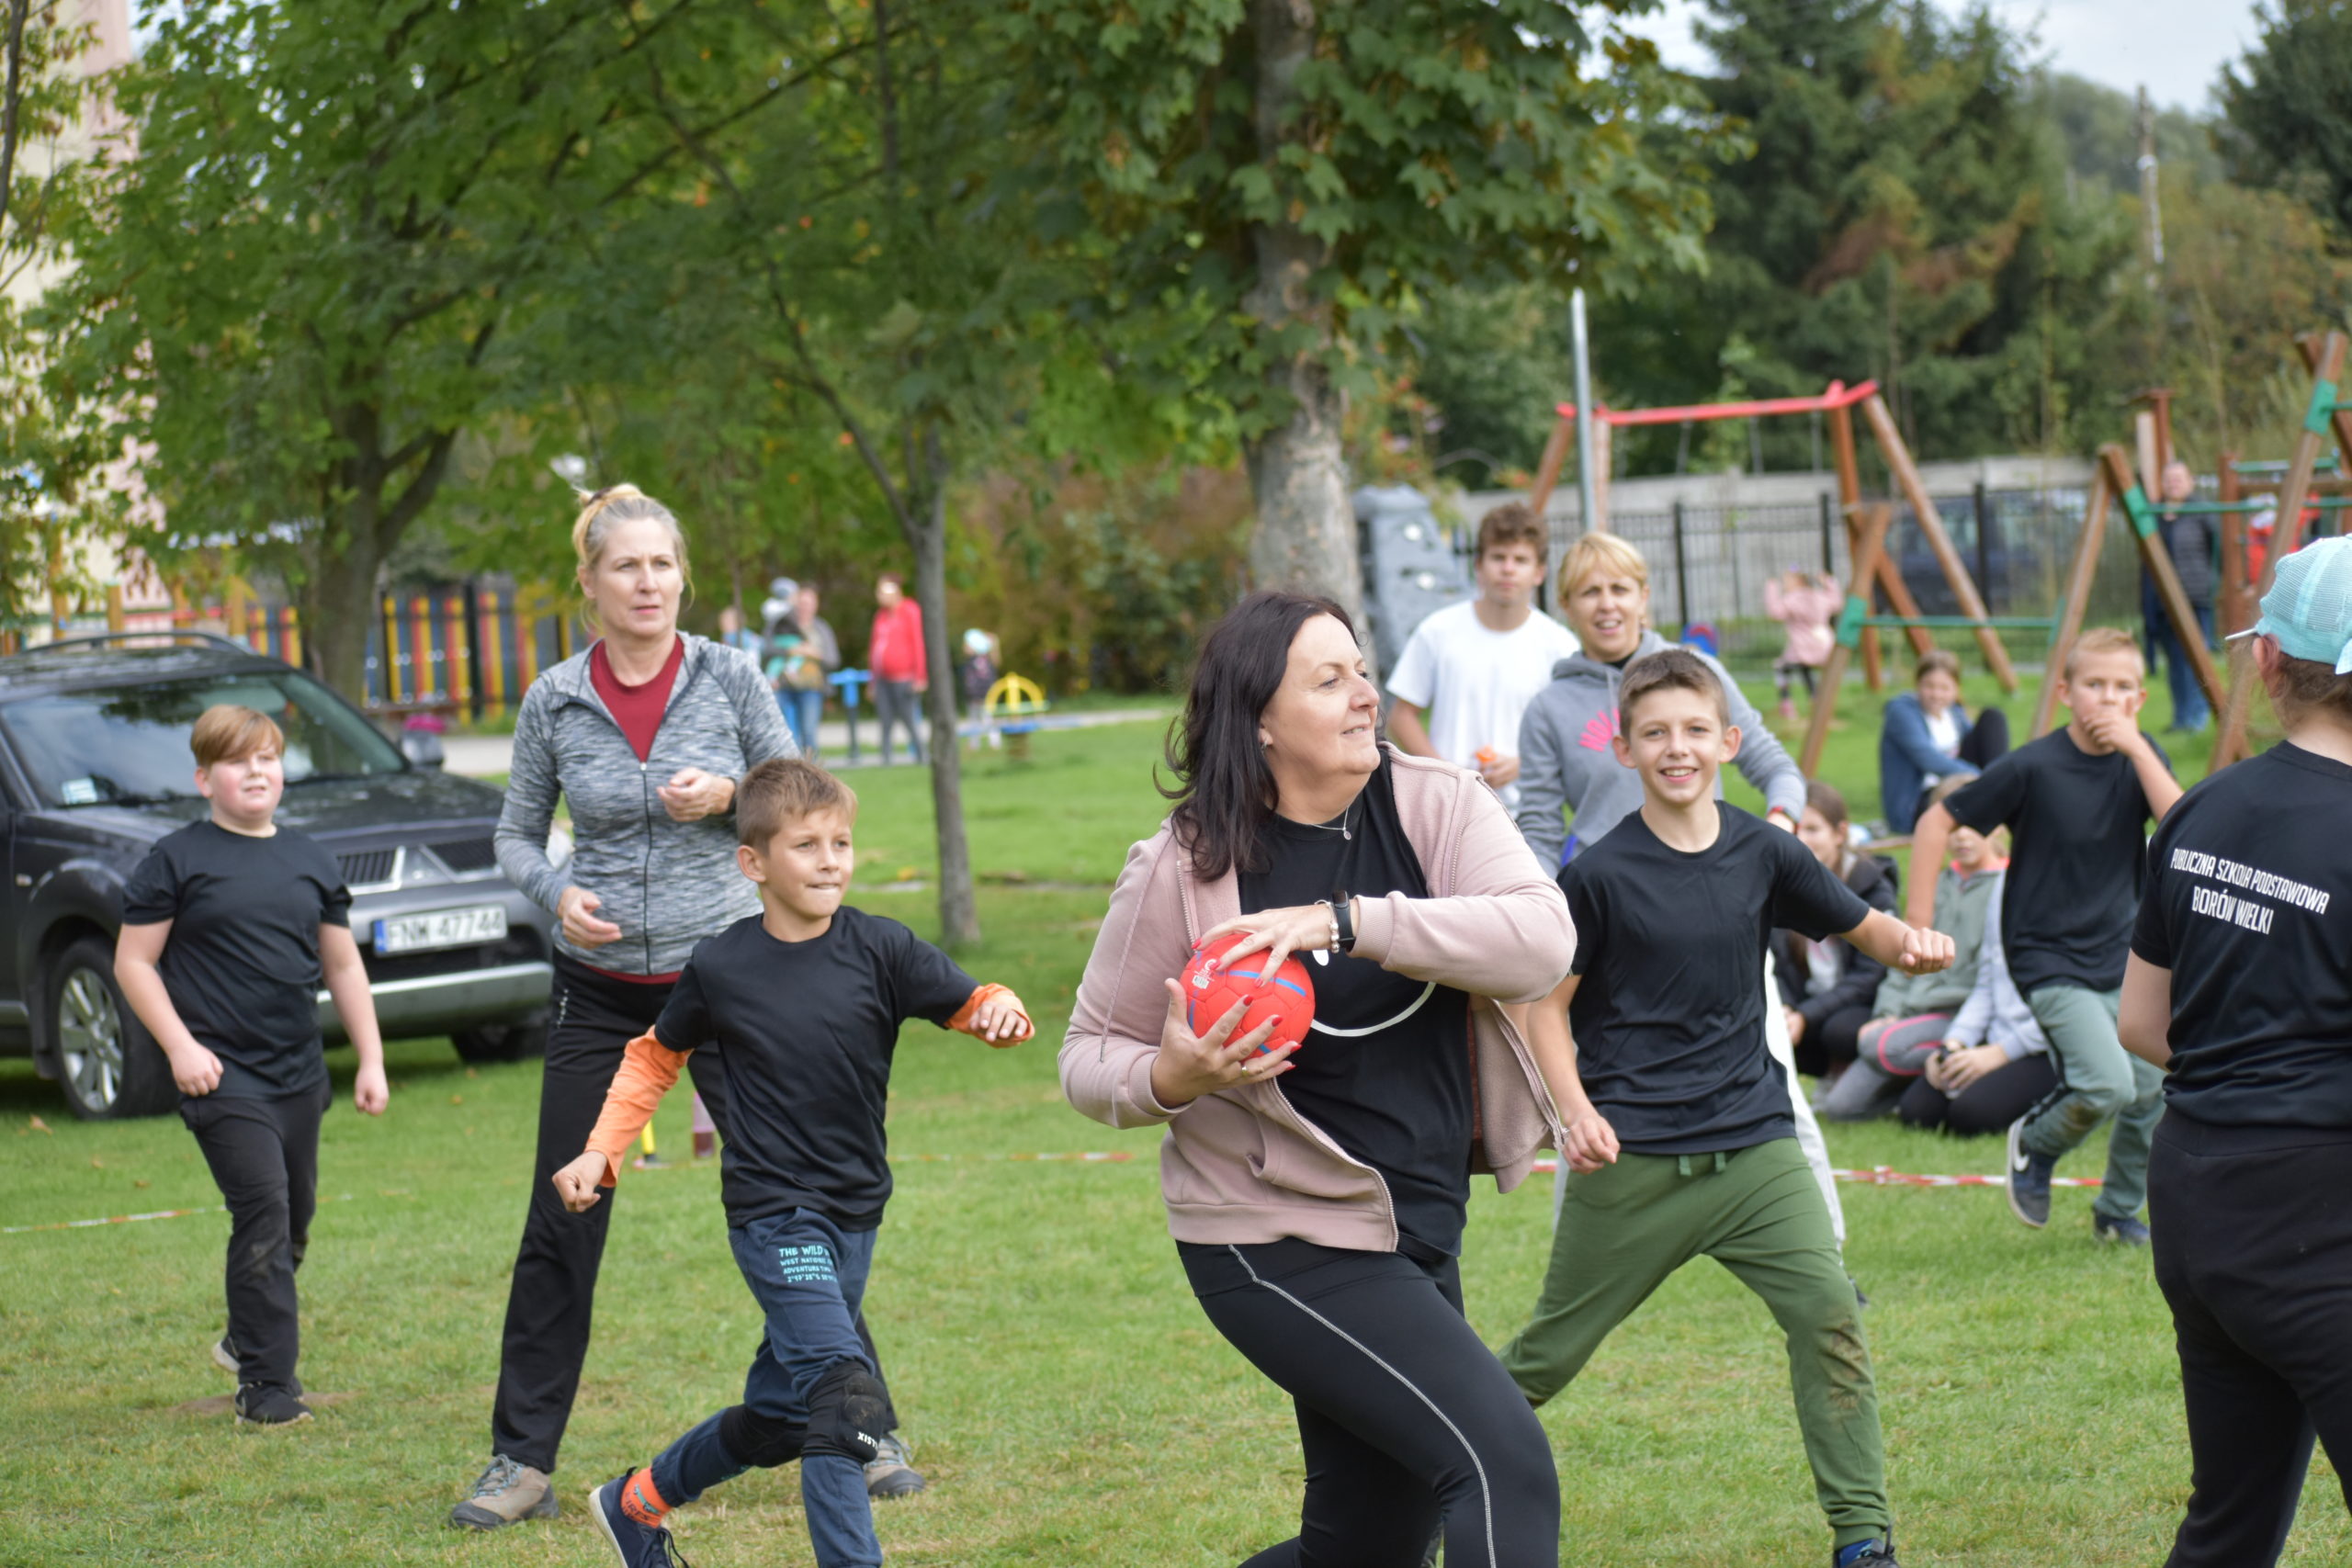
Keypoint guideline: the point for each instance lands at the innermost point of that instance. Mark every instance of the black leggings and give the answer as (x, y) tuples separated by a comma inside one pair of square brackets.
[(1403, 1415), (1832, 1043), (2253, 1255), (1988, 1105)]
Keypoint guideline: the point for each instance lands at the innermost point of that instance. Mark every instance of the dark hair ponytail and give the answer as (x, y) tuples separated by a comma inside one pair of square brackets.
[(1225, 792)]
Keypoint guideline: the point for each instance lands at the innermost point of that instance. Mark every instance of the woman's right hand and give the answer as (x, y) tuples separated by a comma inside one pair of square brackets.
[(577, 909), (1593, 1142), (1190, 1066)]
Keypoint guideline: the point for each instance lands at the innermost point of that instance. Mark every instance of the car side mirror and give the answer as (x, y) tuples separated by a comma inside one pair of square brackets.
[(422, 747)]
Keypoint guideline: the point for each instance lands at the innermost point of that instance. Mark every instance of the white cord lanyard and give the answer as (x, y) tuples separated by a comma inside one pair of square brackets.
[(1324, 957)]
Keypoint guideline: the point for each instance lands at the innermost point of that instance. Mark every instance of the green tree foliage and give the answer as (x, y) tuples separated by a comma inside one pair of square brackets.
[(1904, 219), (2288, 106), (1277, 183), (314, 265), (2098, 129)]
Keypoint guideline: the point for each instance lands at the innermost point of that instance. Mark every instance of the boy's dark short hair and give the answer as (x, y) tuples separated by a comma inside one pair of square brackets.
[(1671, 668), (776, 791), (228, 733), (1513, 524)]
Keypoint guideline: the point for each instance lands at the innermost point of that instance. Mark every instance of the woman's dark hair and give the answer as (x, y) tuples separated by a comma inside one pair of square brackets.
[(1826, 799), (1225, 792)]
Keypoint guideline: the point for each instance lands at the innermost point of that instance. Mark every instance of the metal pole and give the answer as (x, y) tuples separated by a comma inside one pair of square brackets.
[(1983, 543), (1588, 502), (1828, 558), (1681, 572)]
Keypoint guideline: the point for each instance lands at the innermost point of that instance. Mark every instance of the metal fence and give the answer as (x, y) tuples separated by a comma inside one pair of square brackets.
[(1709, 564)]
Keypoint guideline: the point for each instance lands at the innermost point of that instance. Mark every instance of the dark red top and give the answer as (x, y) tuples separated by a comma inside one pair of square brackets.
[(636, 709)]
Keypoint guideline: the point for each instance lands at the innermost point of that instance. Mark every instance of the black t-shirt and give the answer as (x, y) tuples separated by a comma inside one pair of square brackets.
[(241, 963), (1669, 1016), (2242, 883), (2080, 856), (805, 1031), (1397, 1098)]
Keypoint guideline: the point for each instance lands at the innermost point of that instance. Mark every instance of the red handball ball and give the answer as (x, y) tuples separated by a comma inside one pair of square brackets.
[(1286, 994)]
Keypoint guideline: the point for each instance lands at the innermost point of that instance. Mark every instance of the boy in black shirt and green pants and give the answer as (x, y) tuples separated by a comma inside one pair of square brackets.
[(806, 999), (2078, 801), (229, 927), (1678, 1120)]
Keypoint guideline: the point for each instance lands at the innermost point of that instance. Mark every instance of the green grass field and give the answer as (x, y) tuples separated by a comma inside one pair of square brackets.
[(1067, 1401)]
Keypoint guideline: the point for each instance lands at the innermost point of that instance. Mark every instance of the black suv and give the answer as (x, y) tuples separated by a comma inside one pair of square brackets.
[(95, 768)]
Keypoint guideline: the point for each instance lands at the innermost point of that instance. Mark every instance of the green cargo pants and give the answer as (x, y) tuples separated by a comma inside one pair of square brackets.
[(1758, 1213), (2097, 1079)]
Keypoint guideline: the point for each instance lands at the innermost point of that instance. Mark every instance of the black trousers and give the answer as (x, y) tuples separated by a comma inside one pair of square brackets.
[(1833, 1043), (2254, 1254), (1405, 1416), (550, 1305), (265, 1157), (1988, 1105)]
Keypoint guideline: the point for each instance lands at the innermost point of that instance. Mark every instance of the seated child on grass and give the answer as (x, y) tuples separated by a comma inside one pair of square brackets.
[(806, 999), (1912, 1011), (1994, 1064), (1679, 1128)]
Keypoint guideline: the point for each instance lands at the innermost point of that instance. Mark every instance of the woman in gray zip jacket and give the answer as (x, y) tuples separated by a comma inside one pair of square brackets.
[(644, 734)]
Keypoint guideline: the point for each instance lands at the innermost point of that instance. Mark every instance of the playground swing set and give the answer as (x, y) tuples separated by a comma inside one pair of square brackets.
[(1867, 525)]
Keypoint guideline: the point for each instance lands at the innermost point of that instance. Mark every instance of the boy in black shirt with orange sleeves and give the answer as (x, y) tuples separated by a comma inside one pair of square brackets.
[(807, 998)]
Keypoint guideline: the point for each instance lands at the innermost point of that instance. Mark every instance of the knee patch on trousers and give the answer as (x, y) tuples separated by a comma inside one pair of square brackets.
[(760, 1442), (846, 1411)]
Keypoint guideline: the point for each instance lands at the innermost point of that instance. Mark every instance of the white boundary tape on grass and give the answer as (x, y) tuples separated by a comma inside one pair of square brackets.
[(1887, 1176)]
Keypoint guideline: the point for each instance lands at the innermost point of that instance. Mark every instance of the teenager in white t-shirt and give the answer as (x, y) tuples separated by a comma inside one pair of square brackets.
[(1469, 670)]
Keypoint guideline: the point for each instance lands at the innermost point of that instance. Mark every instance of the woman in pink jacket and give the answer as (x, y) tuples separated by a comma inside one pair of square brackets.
[(1803, 606), (1317, 1193)]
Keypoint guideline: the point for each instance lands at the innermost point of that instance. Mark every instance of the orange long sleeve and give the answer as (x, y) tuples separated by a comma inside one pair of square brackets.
[(648, 1069), (962, 1021)]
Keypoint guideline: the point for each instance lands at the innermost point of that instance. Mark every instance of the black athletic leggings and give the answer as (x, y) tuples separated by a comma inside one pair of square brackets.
[(1404, 1414), (2254, 1254), (1988, 1105)]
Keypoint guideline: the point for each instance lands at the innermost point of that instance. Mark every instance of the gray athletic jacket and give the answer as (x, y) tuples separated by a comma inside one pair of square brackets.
[(1564, 757), (667, 885)]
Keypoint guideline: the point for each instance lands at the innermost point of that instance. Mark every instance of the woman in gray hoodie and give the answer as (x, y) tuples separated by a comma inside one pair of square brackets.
[(644, 734)]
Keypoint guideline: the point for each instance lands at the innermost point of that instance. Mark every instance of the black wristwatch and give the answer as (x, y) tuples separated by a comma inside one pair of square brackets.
[(1343, 915)]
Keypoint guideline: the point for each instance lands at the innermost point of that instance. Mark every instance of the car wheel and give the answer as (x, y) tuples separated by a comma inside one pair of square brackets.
[(107, 1065), (501, 1041)]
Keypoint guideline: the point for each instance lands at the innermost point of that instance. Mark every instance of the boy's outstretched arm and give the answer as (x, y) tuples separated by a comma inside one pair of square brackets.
[(1931, 837), (1591, 1143), (994, 1014), (1908, 950), (648, 1069)]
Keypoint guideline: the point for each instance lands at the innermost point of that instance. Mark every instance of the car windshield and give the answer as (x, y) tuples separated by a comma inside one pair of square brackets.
[(128, 745)]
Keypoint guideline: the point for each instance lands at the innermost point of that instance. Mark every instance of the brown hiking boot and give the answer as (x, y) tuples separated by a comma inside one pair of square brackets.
[(506, 1491)]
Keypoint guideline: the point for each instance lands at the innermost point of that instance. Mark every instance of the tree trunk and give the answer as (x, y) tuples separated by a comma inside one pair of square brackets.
[(959, 916), (339, 607), (1305, 536)]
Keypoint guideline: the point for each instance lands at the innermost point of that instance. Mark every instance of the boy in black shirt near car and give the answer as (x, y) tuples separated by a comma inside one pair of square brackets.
[(2078, 801), (806, 999), (1678, 1120), (2240, 982), (229, 927)]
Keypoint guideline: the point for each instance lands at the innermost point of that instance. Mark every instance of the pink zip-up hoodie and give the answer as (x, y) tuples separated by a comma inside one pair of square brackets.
[(1242, 1165)]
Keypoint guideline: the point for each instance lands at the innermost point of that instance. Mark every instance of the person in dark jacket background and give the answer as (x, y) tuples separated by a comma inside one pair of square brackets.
[(1926, 737), (2189, 541), (1827, 987)]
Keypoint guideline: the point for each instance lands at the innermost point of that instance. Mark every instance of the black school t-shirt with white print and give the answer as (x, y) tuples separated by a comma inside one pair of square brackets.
[(1386, 1069), (2249, 904)]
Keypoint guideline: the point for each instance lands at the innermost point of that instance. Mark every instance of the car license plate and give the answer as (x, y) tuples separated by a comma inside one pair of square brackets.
[(441, 928)]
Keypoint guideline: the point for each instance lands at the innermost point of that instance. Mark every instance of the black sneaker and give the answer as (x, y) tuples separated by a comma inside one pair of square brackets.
[(2126, 1232), (2029, 1176), (1865, 1554), (262, 1406)]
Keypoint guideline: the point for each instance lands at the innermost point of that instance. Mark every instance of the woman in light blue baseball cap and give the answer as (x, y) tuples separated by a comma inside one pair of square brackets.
[(2239, 985)]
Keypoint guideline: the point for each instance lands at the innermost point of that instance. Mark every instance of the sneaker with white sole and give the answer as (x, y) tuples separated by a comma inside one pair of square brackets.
[(632, 1525), (2029, 1176), (2125, 1232), (892, 1472), (508, 1490), (224, 1358), (260, 1406)]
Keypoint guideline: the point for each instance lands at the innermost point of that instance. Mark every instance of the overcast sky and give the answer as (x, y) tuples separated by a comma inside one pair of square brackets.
[(2177, 47)]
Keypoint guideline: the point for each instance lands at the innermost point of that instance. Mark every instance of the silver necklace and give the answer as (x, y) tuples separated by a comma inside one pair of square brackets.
[(1343, 829)]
